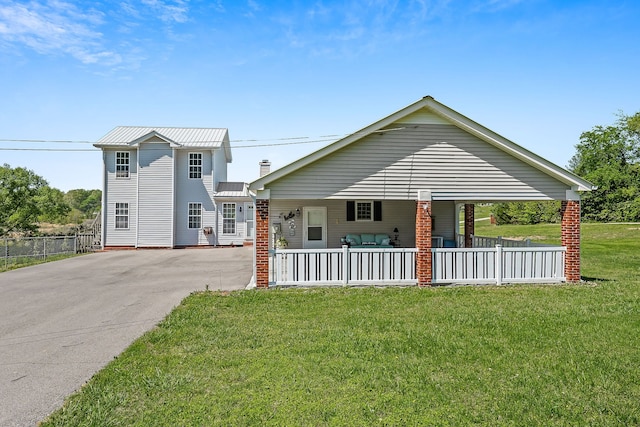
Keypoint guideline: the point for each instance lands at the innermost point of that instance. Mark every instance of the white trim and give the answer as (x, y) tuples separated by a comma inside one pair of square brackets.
[(189, 215)]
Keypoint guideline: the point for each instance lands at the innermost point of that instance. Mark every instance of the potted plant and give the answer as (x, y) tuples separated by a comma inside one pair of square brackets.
[(281, 243)]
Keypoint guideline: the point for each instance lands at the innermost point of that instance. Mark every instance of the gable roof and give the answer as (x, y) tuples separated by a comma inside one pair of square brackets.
[(131, 136), (449, 116)]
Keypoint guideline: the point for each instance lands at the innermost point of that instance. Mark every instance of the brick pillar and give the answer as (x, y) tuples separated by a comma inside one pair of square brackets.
[(469, 224), (571, 239), (262, 243), (423, 241)]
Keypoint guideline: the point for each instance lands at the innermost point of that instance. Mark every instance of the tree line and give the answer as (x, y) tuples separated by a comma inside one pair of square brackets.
[(27, 200), (609, 158)]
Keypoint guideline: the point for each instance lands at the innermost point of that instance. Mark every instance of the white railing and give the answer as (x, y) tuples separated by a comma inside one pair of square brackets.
[(343, 266), (490, 242), (499, 265)]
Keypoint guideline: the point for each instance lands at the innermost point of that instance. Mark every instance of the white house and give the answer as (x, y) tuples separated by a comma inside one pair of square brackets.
[(166, 187), (399, 184)]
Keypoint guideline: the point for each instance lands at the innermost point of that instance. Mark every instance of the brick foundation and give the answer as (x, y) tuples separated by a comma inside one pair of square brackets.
[(571, 239), (423, 243), (262, 243)]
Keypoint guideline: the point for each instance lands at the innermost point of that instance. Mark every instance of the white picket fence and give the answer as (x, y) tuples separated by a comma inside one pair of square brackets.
[(346, 266), (343, 266)]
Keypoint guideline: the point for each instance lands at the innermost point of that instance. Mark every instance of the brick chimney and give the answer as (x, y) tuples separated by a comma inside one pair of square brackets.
[(265, 167)]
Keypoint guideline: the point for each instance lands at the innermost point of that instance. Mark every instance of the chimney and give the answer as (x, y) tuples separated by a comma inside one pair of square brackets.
[(265, 167)]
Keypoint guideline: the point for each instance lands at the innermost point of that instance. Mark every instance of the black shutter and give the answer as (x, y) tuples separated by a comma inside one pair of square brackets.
[(377, 210), (351, 210)]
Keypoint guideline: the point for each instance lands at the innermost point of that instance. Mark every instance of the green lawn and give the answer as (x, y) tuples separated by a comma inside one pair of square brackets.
[(512, 355)]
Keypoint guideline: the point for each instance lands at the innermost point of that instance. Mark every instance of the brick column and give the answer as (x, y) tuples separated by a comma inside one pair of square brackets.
[(262, 243), (571, 239), (469, 224), (423, 239)]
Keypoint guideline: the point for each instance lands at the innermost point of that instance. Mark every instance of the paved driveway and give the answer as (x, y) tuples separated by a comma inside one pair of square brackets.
[(63, 321)]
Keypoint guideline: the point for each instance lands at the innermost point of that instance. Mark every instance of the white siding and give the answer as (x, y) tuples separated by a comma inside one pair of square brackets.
[(394, 165), (219, 167), (194, 191), (120, 190), (239, 236), (155, 195)]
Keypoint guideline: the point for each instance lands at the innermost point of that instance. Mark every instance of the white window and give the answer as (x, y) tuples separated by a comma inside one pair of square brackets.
[(195, 165), (122, 164), (195, 215), (364, 211), (122, 215), (228, 218)]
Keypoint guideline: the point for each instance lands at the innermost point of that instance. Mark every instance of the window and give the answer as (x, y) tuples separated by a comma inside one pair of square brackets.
[(195, 215), (228, 218), (122, 215), (195, 165), (364, 210), (122, 164)]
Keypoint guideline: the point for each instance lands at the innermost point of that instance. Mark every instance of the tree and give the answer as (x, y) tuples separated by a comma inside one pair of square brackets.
[(608, 157), (85, 202), (24, 197), (526, 213)]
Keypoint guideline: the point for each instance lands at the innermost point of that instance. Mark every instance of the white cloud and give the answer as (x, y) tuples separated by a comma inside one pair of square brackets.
[(54, 27), (168, 11)]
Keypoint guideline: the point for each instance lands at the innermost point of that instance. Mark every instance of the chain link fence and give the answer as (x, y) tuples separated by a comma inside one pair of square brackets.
[(20, 250)]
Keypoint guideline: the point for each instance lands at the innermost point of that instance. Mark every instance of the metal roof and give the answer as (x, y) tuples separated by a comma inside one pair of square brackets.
[(185, 137), (232, 189)]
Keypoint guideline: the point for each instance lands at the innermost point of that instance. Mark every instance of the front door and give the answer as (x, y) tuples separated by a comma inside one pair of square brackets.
[(249, 217), (314, 227)]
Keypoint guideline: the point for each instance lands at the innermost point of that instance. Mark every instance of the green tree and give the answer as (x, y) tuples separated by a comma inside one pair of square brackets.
[(526, 212), (24, 198), (608, 157), (87, 202)]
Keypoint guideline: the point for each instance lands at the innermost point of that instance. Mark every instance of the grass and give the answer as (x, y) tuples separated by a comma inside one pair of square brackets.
[(504, 356), (15, 263)]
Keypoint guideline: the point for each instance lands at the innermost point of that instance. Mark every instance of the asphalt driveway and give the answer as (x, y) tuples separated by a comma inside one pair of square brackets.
[(63, 321)]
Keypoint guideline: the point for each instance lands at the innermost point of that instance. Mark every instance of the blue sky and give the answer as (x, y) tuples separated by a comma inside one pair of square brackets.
[(535, 71)]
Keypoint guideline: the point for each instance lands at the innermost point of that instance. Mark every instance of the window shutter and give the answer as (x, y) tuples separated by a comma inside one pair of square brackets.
[(351, 210), (377, 210)]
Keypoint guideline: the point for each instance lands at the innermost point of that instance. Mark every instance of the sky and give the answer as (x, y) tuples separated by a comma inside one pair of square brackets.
[(287, 78)]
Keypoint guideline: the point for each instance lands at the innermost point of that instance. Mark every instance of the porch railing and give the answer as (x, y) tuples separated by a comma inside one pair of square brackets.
[(490, 242), (343, 266), (499, 265)]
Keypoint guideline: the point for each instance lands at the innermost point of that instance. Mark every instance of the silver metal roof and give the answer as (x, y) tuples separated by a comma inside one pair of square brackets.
[(232, 189), (186, 137)]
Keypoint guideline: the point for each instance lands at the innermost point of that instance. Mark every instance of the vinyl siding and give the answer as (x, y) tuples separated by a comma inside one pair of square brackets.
[(239, 236), (155, 195), (394, 165), (194, 191), (120, 190), (395, 214)]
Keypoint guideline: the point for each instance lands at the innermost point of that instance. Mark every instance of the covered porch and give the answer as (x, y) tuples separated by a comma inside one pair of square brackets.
[(438, 251), (380, 206)]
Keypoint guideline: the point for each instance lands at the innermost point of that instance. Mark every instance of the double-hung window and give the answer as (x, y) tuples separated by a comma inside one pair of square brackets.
[(229, 218), (122, 164), (195, 165), (195, 215), (122, 215)]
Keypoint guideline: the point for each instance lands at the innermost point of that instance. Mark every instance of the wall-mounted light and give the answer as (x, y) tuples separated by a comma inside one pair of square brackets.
[(298, 212), (396, 233), (240, 208)]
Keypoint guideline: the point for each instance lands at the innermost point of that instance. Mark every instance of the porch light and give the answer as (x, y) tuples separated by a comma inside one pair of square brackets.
[(396, 232)]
